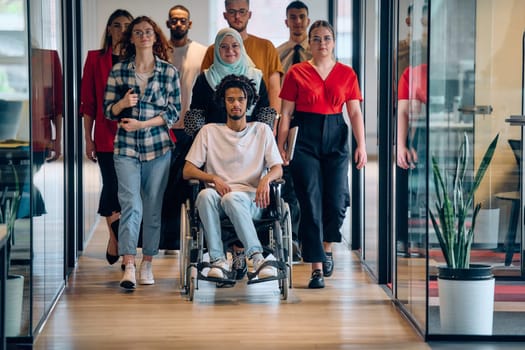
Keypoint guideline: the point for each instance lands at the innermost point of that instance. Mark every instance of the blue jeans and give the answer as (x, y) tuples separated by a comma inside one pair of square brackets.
[(141, 187), (238, 207)]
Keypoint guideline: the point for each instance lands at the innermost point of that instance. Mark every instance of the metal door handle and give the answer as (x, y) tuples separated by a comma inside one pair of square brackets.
[(516, 120), (476, 109)]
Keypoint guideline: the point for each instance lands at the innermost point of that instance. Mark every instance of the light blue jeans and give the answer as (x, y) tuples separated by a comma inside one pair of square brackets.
[(141, 187), (239, 207)]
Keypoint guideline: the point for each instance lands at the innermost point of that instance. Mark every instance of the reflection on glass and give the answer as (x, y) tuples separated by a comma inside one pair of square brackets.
[(411, 159), (47, 166)]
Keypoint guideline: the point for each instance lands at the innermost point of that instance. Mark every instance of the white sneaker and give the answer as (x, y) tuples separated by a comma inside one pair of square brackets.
[(265, 272), (128, 280), (145, 273), (216, 270)]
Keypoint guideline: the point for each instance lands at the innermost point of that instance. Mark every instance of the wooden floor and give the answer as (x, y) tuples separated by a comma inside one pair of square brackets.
[(350, 313)]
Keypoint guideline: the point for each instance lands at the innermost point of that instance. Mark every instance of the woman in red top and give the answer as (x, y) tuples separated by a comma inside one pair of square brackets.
[(99, 144), (314, 92)]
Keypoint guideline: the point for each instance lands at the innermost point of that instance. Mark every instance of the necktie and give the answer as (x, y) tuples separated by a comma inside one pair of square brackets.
[(296, 58)]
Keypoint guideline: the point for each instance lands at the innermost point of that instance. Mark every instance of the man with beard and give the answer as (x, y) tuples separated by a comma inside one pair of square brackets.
[(186, 57), (238, 161)]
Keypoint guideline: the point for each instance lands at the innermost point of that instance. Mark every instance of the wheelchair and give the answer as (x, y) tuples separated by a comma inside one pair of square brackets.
[(274, 230)]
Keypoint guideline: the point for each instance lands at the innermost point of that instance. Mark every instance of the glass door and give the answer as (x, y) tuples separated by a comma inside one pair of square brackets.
[(475, 84), (475, 73), (411, 66), (459, 74)]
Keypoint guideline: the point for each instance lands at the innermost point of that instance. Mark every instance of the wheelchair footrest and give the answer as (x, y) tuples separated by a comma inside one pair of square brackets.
[(281, 272)]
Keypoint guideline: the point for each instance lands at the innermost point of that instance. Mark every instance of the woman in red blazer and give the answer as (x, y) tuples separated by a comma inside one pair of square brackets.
[(99, 143)]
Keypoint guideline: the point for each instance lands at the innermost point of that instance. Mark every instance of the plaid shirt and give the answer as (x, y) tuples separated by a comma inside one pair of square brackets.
[(161, 98)]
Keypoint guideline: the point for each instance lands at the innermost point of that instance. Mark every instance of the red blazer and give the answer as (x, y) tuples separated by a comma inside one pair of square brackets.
[(46, 98), (94, 79)]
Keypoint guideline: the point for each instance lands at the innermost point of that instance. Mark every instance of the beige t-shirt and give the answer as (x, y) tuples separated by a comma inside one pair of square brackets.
[(239, 158)]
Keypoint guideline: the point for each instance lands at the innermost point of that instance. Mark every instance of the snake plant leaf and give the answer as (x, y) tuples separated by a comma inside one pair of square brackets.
[(453, 205)]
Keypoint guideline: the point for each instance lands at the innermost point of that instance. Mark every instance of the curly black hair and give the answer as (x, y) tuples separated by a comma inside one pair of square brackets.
[(247, 85)]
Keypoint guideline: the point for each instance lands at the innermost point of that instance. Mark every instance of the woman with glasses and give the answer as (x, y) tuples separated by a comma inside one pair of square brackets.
[(230, 57), (315, 92), (99, 142), (143, 95)]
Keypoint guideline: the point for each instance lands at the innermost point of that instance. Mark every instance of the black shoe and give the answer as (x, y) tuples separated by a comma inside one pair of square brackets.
[(111, 258), (328, 265), (239, 265), (114, 258), (224, 284), (317, 280)]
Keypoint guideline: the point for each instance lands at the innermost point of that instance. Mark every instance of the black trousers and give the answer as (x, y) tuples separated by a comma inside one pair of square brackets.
[(320, 175)]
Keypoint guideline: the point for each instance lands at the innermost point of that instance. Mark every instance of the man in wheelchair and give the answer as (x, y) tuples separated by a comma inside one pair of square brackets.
[(237, 161)]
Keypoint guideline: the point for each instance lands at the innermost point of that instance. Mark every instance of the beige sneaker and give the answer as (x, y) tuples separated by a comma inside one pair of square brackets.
[(128, 280), (146, 273), (265, 272), (217, 269)]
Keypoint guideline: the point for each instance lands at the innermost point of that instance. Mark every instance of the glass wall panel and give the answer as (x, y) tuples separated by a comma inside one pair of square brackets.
[(475, 84), (411, 186), (15, 175), (47, 163), (343, 52), (370, 107)]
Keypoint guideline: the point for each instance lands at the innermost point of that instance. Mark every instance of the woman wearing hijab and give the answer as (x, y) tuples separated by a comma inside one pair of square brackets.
[(230, 57)]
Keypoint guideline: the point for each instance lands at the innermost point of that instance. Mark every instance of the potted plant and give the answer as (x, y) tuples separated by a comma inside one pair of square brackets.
[(15, 283), (466, 291)]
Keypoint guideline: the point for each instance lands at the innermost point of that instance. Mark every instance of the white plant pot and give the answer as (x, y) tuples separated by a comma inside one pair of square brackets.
[(466, 306), (13, 306)]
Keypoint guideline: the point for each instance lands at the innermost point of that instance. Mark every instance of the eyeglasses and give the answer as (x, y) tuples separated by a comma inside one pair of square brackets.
[(147, 32), (318, 39), (232, 100), (183, 21), (227, 47), (241, 12)]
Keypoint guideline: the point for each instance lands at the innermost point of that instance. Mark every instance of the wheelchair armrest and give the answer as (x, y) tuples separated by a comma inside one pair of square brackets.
[(274, 209), (195, 186)]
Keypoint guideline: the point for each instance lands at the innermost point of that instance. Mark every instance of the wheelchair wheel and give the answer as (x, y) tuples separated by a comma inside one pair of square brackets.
[(283, 286), (190, 283), (286, 223), (184, 254)]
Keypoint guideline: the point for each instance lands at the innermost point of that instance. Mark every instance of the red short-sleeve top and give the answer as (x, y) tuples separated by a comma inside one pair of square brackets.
[(304, 86), (413, 83)]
